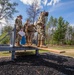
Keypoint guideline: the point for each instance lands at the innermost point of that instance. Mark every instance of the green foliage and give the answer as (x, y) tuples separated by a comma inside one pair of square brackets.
[(7, 29), (5, 40), (69, 42), (60, 32), (52, 23)]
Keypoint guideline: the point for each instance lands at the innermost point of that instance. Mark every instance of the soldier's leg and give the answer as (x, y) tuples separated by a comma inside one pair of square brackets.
[(26, 39), (31, 37), (39, 40), (16, 39), (42, 40)]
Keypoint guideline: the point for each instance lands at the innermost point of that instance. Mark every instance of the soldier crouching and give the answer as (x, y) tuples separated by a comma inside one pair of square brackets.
[(29, 31), (26, 31)]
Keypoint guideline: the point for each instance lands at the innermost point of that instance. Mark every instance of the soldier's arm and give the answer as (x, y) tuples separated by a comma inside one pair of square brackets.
[(16, 21)]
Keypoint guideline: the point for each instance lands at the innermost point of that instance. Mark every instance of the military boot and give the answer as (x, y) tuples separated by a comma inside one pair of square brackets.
[(18, 44), (43, 44)]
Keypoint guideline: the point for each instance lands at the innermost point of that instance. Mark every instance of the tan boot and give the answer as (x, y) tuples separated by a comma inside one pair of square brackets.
[(18, 44), (42, 44)]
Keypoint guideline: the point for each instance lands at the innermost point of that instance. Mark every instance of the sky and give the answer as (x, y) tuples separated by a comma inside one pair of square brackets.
[(56, 8)]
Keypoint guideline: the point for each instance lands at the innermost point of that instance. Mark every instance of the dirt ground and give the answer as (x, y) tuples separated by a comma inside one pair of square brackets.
[(68, 52), (44, 64)]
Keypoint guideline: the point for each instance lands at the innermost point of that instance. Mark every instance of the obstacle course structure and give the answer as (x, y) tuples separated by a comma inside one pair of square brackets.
[(40, 28), (12, 46)]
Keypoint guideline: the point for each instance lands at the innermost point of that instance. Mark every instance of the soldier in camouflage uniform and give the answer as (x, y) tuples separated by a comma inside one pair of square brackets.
[(26, 25), (29, 30), (18, 24), (41, 28)]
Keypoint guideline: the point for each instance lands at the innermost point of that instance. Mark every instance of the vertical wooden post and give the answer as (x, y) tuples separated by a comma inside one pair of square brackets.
[(13, 55), (13, 42), (14, 34), (37, 52)]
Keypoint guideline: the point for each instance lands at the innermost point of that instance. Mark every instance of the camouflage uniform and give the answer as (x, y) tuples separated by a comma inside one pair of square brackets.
[(29, 33), (41, 35), (41, 28), (18, 24), (25, 29)]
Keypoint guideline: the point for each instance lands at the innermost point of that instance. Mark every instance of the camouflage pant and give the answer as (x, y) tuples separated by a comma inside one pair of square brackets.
[(41, 40), (29, 36), (18, 37), (41, 37)]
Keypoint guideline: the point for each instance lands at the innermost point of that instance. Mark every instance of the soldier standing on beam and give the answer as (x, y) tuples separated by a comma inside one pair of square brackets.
[(18, 24), (26, 27)]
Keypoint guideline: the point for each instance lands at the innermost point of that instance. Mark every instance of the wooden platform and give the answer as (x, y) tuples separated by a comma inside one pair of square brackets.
[(52, 50), (13, 49), (8, 48)]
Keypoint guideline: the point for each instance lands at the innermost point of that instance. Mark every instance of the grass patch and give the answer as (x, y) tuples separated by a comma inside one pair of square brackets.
[(68, 54), (31, 52), (43, 51), (5, 53), (63, 47)]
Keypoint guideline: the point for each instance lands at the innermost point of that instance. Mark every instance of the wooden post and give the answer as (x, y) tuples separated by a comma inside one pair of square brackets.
[(13, 37), (13, 55), (14, 34), (37, 52)]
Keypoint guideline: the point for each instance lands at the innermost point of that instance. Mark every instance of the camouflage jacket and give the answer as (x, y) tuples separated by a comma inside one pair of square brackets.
[(18, 23)]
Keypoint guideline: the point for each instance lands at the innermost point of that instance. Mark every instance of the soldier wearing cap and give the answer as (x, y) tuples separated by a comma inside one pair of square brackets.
[(26, 31), (18, 24), (29, 30)]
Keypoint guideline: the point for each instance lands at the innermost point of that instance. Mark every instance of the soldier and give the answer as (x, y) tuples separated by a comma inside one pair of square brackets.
[(41, 35), (26, 31), (18, 24), (29, 30), (41, 28)]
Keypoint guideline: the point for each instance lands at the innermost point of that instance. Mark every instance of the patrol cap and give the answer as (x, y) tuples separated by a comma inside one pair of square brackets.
[(20, 16)]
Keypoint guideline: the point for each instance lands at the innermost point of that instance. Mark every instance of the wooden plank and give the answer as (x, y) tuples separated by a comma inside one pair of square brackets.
[(52, 50), (8, 48), (13, 55), (37, 52)]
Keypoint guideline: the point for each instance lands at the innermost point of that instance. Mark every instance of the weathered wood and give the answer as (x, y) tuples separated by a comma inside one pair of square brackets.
[(13, 55), (8, 48), (13, 49), (37, 52)]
